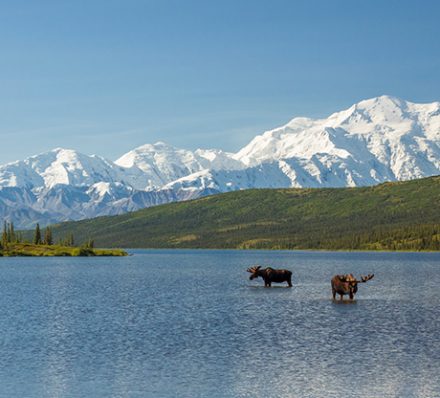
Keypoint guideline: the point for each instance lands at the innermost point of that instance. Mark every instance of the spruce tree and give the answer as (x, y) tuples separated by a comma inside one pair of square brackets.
[(5, 234), (37, 236), (8, 232), (48, 236), (12, 237)]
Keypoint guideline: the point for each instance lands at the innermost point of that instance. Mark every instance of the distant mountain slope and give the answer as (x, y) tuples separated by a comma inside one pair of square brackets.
[(395, 216), (163, 163), (374, 141)]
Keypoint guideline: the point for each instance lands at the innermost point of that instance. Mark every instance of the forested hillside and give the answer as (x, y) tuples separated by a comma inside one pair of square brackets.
[(390, 216)]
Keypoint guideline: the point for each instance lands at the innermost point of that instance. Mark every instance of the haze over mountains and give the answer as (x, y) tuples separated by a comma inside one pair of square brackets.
[(376, 140)]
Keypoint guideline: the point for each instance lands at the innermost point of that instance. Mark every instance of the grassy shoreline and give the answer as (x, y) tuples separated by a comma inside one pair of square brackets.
[(31, 250)]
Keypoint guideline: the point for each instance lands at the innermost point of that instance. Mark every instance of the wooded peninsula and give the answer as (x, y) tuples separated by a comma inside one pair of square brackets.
[(13, 244)]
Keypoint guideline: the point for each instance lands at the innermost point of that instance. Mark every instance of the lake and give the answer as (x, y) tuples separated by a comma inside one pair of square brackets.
[(190, 323)]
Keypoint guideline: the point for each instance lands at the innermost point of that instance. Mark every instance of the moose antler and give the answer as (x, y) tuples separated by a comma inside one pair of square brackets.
[(253, 269), (346, 279), (366, 278)]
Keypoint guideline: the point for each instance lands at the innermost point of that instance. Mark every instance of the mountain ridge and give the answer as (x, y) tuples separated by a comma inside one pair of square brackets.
[(376, 140)]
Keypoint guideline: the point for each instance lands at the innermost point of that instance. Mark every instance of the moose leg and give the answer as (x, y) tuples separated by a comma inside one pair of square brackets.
[(289, 282), (334, 294), (342, 296)]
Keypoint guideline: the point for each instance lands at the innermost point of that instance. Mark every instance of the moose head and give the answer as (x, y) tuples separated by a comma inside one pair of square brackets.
[(254, 271), (347, 284)]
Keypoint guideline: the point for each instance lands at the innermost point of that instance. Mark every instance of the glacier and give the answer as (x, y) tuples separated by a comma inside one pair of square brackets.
[(376, 140)]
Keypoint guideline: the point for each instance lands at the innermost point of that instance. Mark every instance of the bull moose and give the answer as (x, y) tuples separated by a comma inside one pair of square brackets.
[(347, 284), (270, 275)]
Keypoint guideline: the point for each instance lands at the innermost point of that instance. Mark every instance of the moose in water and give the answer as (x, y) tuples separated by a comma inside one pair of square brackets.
[(347, 284), (270, 275)]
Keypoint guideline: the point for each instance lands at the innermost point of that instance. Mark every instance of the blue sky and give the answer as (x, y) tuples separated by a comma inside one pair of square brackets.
[(106, 76)]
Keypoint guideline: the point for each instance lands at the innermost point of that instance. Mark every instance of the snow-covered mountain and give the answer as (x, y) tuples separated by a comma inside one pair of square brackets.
[(160, 164), (394, 139), (376, 140)]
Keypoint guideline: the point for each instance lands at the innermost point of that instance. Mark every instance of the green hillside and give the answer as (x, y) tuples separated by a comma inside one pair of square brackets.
[(391, 216)]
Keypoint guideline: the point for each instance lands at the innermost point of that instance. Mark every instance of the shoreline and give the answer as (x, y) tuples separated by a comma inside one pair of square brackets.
[(284, 250), (32, 250)]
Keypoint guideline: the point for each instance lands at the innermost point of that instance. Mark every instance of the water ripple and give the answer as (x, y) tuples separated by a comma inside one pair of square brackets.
[(191, 324)]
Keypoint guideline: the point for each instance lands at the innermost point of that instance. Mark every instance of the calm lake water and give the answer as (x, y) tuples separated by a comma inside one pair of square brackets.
[(189, 323)]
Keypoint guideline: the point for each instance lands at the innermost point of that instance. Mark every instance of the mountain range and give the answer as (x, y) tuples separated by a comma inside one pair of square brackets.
[(376, 140)]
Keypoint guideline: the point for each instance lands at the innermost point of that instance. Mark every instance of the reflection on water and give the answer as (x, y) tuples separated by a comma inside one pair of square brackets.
[(191, 324), (343, 302)]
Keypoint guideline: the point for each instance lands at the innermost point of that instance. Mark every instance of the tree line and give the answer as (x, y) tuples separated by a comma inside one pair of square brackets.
[(9, 235), (45, 237)]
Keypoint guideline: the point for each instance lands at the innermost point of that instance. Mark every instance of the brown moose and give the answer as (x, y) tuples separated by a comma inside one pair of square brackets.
[(270, 275), (347, 284)]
